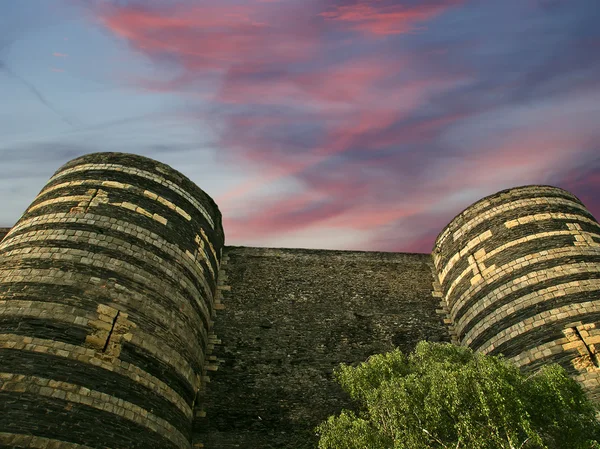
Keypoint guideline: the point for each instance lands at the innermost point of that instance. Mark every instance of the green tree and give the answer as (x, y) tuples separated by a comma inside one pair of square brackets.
[(447, 396)]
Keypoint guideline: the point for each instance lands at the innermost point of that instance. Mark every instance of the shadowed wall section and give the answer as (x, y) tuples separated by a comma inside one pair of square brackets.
[(107, 287), (520, 275), (288, 317)]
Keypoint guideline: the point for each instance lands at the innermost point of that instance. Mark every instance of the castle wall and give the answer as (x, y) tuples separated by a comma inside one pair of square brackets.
[(520, 275), (287, 319), (122, 326), (107, 289)]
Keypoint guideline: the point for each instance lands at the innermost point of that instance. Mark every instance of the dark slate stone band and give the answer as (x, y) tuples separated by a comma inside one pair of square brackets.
[(519, 272), (77, 423), (118, 257)]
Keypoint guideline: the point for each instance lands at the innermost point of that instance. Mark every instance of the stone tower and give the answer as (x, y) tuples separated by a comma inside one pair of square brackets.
[(107, 289), (520, 275)]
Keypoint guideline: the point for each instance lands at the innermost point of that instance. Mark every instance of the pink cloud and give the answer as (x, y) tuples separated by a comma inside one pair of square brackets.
[(420, 244), (60, 55), (282, 216), (585, 183), (54, 69), (345, 82), (214, 36), (374, 17), (264, 58), (358, 196)]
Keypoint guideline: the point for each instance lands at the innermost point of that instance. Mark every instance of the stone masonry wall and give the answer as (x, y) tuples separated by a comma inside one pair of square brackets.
[(125, 323), (520, 275), (107, 289), (289, 317)]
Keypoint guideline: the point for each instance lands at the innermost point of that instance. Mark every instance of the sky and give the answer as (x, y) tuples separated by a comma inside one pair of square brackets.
[(334, 124)]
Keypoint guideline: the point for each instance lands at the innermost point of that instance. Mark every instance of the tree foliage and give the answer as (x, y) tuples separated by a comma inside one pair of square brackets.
[(446, 396)]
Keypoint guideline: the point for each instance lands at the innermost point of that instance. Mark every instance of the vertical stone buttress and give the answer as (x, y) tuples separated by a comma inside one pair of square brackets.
[(520, 276), (107, 287)]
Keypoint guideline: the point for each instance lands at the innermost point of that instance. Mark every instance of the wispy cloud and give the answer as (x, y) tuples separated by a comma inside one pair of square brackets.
[(385, 17), (35, 92), (369, 123), (304, 103)]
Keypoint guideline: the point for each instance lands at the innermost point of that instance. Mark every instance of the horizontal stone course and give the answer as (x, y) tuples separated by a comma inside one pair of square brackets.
[(85, 355), (23, 383), (501, 246), (503, 234), (109, 279), (76, 418), (145, 266), (140, 173), (535, 275), (64, 365), (108, 229), (547, 331), (505, 281), (573, 293), (162, 297), (483, 205), (19, 440)]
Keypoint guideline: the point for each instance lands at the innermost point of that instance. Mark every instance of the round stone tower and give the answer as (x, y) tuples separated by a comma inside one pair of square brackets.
[(107, 287), (520, 275)]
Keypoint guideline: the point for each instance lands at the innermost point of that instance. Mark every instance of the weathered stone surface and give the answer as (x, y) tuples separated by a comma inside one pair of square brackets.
[(520, 275), (107, 286), (290, 318), (3, 232)]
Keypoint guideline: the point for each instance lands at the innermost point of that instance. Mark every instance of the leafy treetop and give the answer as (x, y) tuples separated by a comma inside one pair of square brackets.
[(446, 396)]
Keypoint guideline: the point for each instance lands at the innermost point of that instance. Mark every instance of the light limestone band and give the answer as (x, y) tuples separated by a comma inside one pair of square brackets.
[(555, 291), (541, 319), (118, 185), (499, 199), (24, 440), (144, 174), (125, 248), (497, 285), (81, 395), (91, 356), (103, 222), (73, 315), (101, 261), (119, 294), (533, 278), (511, 224), (482, 256), (516, 204)]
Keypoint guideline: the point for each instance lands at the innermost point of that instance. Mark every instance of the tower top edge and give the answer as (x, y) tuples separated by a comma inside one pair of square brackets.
[(489, 198), (147, 164)]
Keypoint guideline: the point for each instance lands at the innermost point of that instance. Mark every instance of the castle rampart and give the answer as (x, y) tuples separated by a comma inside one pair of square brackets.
[(520, 275), (107, 286), (111, 281)]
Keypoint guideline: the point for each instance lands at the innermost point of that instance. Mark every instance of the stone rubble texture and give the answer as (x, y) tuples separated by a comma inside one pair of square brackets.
[(126, 323)]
